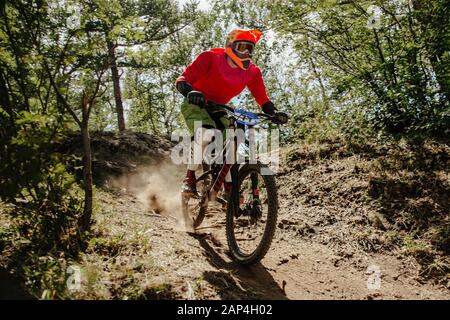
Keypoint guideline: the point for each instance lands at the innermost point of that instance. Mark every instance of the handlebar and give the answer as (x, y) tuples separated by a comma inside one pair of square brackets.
[(238, 113)]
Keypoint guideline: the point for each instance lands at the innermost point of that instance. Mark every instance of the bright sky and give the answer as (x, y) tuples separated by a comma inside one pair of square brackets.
[(203, 5)]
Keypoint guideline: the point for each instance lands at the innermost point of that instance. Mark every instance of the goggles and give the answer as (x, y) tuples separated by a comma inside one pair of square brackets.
[(244, 47)]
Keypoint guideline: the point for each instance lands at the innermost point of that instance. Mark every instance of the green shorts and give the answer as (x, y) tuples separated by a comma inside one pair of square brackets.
[(192, 113)]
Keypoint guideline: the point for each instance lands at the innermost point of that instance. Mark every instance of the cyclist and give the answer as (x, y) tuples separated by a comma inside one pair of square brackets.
[(218, 75)]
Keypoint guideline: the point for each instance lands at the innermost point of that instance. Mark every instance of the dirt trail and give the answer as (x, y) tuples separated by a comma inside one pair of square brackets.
[(198, 267), (309, 257), (333, 239)]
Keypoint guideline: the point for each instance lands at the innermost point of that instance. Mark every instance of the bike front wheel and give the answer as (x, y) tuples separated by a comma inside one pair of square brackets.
[(252, 214)]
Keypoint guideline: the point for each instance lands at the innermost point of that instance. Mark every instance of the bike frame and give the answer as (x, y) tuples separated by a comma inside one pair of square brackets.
[(237, 118)]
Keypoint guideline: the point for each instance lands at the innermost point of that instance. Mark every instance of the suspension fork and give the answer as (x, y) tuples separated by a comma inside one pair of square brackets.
[(234, 197)]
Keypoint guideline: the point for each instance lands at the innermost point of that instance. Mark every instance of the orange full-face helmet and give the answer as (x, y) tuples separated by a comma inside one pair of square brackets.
[(240, 45)]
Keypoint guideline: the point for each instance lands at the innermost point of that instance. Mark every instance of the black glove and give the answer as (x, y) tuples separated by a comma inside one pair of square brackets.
[(268, 108), (184, 88), (277, 116), (196, 97), (280, 117)]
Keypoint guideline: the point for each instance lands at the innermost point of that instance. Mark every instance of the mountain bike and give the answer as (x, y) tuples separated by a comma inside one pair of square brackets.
[(252, 206)]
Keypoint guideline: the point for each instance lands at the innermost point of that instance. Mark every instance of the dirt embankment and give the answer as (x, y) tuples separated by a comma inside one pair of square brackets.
[(384, 209), (117, 154), (371, 225)]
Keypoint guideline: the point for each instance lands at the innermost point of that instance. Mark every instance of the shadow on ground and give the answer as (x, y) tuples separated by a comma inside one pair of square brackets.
[(234, 281)]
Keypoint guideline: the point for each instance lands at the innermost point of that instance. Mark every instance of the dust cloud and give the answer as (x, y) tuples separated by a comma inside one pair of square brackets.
[(157, 187)]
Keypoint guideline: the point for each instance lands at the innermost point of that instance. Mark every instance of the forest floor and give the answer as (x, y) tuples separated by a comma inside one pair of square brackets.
[(334, 233)]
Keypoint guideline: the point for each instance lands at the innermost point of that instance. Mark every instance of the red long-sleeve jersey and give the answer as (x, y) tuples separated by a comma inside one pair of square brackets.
[(211, 74)]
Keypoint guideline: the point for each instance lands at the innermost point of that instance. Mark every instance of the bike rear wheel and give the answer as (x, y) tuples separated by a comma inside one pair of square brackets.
[(252, 214)]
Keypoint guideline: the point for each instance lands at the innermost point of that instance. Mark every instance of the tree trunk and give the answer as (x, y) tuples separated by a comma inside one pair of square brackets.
[(116, 86), (4, 99), (325, 101), (323, 91), (87, 177), (85, 221)]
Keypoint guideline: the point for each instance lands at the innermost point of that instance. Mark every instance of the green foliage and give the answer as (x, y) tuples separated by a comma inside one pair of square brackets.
[(44, 200), (340, 78), (396, 71), (150, 85), (45, 276), (44, 203), (34, 180), (56, 62)]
